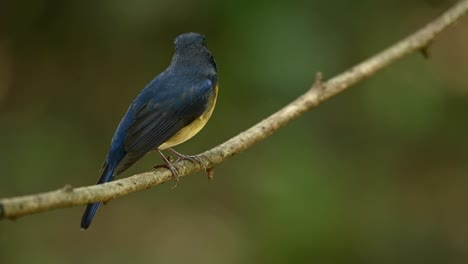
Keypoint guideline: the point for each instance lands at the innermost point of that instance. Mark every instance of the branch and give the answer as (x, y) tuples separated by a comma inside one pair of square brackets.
[(68, 196)]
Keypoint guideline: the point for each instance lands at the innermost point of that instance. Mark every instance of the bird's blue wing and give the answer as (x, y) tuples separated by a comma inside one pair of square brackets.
[(165, 114)]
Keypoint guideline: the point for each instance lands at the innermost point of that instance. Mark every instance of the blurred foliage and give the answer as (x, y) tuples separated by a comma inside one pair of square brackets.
[(375, 175)]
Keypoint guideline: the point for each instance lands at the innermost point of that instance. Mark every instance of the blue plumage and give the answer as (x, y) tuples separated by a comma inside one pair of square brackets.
[(172, 108)]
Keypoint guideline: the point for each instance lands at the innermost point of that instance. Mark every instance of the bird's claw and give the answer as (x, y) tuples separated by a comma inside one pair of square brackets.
[(168, 165), (175, 174), (192, 158)]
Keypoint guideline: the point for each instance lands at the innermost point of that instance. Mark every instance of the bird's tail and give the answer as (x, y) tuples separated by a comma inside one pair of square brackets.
[(107, 175)]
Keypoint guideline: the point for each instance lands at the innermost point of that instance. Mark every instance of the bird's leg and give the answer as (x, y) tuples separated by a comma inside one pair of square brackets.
[(168, 165)]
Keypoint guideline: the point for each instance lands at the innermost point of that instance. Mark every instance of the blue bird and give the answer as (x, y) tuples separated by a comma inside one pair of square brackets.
[(171, 109)]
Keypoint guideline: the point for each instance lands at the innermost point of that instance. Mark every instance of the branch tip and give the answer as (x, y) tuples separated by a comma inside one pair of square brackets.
[(210, 173), (67, 188), (318, 79), (318, 84), (425, 51)]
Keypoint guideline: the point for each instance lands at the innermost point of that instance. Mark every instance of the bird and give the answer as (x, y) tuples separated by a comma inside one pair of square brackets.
[(171, 109)]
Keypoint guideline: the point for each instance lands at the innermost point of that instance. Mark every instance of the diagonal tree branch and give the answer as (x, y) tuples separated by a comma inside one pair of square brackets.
[(68, 196)]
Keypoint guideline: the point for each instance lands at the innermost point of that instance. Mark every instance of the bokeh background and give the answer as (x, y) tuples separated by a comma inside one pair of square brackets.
[(378, 174)]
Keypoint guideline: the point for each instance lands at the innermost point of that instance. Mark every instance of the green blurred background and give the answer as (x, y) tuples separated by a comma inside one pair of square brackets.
[(378, 174)]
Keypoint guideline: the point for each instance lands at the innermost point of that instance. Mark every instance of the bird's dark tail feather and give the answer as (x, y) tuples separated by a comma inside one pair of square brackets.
[(107, 175)]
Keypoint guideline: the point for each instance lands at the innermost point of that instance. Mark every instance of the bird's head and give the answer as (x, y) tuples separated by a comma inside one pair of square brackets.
[(191, 50), (189, 41)]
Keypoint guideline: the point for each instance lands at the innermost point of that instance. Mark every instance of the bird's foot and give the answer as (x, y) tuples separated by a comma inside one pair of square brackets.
[(168, 165), (175, 174), (192, 158)]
